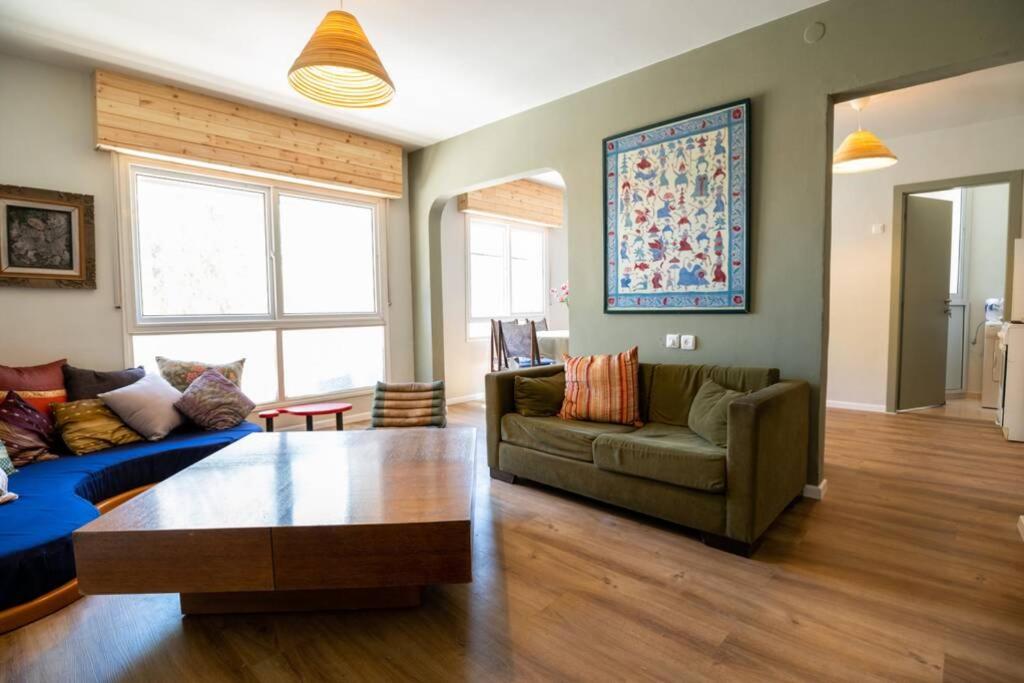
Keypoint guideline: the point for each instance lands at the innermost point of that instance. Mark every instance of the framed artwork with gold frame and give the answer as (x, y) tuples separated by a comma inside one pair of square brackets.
[(47, 239)]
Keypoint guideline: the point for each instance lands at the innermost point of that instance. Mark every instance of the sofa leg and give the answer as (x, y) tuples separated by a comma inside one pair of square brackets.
[(729, 545), (506, 477)]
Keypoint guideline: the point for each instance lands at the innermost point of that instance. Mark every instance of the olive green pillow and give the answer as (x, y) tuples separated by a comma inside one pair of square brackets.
[(540, 396), (89, 425), (709, 412)]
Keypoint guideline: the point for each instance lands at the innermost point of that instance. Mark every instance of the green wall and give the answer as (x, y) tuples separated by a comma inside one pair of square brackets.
[(870, 45)]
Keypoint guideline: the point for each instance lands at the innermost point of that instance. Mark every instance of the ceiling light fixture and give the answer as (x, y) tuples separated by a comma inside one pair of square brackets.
[(339, 67), (861, 150)]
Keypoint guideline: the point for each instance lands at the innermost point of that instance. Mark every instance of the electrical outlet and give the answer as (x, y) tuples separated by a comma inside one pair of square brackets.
[(671, 341), (687, 342)]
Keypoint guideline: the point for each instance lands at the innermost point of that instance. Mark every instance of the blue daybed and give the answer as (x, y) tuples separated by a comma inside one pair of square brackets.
[(58, 496)]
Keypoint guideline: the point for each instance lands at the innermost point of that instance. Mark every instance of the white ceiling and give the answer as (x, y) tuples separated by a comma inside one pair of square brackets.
[(987, 95), (457, 64)]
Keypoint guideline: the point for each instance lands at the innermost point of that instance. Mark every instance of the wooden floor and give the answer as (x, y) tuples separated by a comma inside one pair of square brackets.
[(968, 408), (911, 569)]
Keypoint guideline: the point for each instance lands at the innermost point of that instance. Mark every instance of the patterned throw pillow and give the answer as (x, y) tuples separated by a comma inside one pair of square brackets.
[(181, 373), (603, 388), (89, 425), (214, 402), (26, 432), (6, 466), (39, 385), (82, 384)]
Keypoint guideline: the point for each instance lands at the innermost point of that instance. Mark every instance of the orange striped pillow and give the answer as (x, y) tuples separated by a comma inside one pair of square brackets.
[(603, 388)]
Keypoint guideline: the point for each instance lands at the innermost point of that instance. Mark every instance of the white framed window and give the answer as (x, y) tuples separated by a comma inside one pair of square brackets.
[(219, 267), (507, 275)]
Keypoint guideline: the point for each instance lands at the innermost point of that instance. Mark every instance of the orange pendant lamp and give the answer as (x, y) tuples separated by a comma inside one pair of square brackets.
[(339, 67), (862, 150)]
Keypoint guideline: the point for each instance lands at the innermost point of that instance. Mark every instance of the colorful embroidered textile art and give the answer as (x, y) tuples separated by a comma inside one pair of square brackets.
[(677, 214)]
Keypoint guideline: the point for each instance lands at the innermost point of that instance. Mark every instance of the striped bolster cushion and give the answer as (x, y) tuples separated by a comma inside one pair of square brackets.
[(603, 388), (409, 405)]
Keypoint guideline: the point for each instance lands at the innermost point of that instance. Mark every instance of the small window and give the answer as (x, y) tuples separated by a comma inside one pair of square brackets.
[(507, 273)]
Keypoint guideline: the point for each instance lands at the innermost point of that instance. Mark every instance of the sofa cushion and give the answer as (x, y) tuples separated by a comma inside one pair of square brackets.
[(27, 433), (674, 386), (181, 373), (666, 453), (56, 497), (540, 396), (603, 388), (709, 412), (147, 406), (83, 384), (213, 401), (38, 385), (567, 438), (89, 425)]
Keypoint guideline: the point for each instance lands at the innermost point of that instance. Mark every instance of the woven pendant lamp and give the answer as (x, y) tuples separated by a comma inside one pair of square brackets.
[(861, 150), (339, 67)]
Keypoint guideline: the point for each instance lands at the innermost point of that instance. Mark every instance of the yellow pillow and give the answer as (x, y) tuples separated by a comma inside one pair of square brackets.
[(89, 425)]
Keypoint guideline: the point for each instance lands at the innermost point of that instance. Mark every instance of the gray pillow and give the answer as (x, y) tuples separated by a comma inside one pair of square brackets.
[(214, 402), (709, 412), (147, 406)]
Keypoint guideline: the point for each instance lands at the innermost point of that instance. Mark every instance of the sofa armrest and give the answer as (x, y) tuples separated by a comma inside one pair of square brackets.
[(766, 460), (500, 394)]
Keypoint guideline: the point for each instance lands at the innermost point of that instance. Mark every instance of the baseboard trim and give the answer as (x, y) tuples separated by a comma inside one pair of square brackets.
[(465, 399), (852, 405), (1020, 527), (816, 492)]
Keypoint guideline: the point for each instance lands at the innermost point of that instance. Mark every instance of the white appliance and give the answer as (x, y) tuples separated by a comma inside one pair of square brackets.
[(991, 365), (1010, 412)]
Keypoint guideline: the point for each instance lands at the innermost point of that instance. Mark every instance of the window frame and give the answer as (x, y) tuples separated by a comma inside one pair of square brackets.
[(509, 226), (128, 265)]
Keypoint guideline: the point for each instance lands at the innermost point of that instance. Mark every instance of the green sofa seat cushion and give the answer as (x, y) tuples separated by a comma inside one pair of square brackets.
[(567, 438), (666, 453), (673, 387)]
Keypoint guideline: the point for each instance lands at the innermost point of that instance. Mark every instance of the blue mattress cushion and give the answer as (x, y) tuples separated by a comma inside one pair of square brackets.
[(56, 497)]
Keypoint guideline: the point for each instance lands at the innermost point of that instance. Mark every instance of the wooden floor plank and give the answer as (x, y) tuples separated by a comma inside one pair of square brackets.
[(911, 569)]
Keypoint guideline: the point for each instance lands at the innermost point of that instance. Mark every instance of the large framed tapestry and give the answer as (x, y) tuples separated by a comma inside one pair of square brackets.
[(677, 215), (46, 239)]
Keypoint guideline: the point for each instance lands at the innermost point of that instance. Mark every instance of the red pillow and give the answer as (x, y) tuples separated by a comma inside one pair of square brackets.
[(603, 388), (39, 385)]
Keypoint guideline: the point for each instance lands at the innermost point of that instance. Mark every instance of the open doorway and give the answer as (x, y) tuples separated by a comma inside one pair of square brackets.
[(505, 257), (952, 242), (922, 250)]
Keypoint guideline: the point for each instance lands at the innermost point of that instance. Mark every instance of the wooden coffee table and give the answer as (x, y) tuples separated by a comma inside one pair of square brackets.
[(295, 521)]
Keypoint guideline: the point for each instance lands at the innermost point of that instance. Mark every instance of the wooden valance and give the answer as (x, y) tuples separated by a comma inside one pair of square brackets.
[(526, 201), (134, 114)]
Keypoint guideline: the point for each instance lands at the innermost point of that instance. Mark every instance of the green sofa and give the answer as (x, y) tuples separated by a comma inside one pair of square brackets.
[(663, 469)]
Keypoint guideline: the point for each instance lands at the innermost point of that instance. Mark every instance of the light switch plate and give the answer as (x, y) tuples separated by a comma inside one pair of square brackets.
[(878, 228), (671, 341), (687, 342)]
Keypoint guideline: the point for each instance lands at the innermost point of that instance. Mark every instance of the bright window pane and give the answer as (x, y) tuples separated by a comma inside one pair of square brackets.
[(323, 361), (327, 256), (202, 248), (487, 238), (527, 264), (487, 286), (259, 349)]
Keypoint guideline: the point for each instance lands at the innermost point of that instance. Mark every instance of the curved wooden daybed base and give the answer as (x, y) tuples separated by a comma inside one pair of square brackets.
[(62, 596)]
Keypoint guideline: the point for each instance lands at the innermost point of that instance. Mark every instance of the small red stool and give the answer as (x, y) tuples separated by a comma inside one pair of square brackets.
[(269, 416), (309, 410)]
